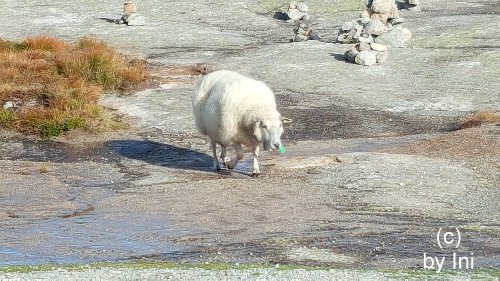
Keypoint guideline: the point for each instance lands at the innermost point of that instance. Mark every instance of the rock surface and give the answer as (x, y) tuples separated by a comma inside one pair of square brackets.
[(371, 170)]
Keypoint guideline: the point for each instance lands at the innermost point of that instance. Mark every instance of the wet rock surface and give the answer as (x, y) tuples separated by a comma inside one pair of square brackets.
[(367, 179)]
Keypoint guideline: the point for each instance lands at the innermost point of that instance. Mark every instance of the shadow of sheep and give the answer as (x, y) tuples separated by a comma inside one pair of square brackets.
[(162, 154)]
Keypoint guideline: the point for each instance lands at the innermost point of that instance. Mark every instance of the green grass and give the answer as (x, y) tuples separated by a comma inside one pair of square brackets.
[(406, 274)]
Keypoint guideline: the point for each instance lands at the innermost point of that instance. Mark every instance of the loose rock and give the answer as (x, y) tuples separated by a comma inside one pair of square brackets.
[(396, 37), (375, 27), (366, 58), (378, 47), (297, 11), (304, 32), (351, 54), (136, 20), (130, 16), (363, 47)]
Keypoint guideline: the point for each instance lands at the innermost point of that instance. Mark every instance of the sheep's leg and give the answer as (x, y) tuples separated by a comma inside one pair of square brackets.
[(223, 155), (214, 150), (239, 155), (256, 169)]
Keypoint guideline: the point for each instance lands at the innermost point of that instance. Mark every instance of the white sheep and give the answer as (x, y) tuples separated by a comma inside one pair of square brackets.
[(234, 110)]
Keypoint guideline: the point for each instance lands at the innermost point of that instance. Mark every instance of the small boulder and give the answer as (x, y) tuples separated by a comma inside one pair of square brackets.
[(378, 47), (298, 11), (365, 38), (348, 25), (364, 21), (366, 58), (363, 47), (396, 37), (375, 27), (301, 6), (314, 35), (351, 54), (136, 20), (365, 14), (382, 6), (8, 105)]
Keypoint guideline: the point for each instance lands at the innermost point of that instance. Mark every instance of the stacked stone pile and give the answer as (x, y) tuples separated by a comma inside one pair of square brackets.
[(367, 53), (130, 15), (377, 28), (297, 11), (303, 31)]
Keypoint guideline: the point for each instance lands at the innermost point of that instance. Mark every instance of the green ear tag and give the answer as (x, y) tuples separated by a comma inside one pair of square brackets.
[(282, 149)]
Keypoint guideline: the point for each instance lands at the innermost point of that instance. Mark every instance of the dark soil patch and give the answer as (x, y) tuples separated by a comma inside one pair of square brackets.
[(338, 121)]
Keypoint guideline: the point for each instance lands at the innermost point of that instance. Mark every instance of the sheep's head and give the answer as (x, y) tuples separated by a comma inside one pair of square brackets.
[(268, 131)]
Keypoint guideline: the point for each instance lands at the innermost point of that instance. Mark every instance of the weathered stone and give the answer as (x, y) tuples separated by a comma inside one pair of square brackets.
[(297, 11), (382, 57), (300, 37), (382, 6), (363, 21), (348, 25), (8, 105), (136, 20), (397, 21), (378, 47), (341, 37), (394, 13), (365, 14), (363, 47), (314, 36), (413, 2), (303, 32), (302, 7), (366, 58), (382, 17), (375, 27), (359, 29), (351, 34), (397, 37), (295, 14), (351, 54), (129, 8), (365, 38)]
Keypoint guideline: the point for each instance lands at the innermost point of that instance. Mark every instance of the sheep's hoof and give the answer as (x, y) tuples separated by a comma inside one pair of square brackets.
[(254, 175)]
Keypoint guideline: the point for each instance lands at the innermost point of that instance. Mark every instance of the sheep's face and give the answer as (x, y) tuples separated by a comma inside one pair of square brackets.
[(269, 132)]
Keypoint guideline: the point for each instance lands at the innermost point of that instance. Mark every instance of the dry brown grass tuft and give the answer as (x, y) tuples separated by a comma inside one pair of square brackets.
[(45, 43), (478, 118), (48, 86)]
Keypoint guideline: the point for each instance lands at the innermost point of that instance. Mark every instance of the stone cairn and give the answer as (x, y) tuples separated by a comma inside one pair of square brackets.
[(304, 32), (130, 16), (377, 29), (297, 11)]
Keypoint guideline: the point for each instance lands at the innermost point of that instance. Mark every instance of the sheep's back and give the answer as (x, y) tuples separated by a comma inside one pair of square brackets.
[(222, 100)]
